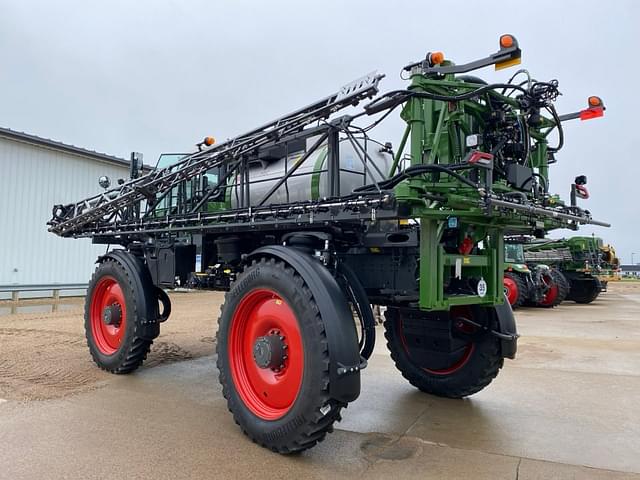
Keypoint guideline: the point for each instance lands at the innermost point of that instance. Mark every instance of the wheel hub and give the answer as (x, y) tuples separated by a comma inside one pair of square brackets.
[(269, 351), (112, 315), (263, 330)]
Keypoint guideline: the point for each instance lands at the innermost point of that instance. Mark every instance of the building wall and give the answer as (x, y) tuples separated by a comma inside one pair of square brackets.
[(32, 179)]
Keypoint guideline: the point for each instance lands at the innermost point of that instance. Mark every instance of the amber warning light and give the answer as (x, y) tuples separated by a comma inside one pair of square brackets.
[(506, 41), (595, 110), (436, 58)]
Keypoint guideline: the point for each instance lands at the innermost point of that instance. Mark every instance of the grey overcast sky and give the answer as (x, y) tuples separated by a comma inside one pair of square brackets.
[(156, 76)]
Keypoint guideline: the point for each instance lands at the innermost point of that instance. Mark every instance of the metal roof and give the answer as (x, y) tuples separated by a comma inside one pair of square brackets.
[(630, 268), (64, 147)]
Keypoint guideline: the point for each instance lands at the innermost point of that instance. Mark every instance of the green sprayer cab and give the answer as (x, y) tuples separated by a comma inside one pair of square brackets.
[(307, 220)]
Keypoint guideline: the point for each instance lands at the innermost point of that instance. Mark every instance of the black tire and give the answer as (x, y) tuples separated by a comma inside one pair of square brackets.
[(133, 349), (563, 284), (584, 291), (560, 286), (312, 413), (520, 289), (481, 367)]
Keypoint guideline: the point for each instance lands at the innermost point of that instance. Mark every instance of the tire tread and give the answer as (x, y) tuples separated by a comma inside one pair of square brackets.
[(313, 430), (138, 348), (491, 359)]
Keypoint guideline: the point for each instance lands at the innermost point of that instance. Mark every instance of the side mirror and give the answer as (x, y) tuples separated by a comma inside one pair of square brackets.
[(104, 182), (581, 180), (578, 189)]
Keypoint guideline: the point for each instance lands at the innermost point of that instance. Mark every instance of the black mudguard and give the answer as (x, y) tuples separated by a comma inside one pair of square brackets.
[(344, 354), (507, 326), (145, 291)]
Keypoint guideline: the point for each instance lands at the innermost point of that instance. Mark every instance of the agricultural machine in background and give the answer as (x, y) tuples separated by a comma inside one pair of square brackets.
[(586, 262), (307, 220), (539, 286)]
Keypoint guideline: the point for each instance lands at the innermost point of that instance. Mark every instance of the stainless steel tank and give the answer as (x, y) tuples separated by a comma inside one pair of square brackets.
[(309, 182)]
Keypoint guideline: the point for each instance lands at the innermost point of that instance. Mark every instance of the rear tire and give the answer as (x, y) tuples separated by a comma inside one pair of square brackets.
[(565, 286), (584, 291), (557, 291), (111, 321), (471, 368), (284, 407)]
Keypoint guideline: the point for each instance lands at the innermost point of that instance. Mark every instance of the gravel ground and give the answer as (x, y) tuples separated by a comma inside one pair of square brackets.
[(44, 354)]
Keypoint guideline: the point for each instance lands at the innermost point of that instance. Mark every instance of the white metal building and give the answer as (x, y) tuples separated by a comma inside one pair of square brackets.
[(35, 174)]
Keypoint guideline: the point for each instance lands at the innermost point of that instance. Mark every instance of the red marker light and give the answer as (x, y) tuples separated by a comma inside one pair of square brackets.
[(590, 113), (482, 158)]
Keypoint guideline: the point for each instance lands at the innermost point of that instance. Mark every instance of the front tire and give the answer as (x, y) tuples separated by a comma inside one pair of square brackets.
[(111, 321), (515, 289), (273, 359), (471, 363)]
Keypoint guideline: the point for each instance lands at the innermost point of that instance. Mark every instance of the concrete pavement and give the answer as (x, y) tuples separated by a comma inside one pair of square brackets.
[(566, 408)]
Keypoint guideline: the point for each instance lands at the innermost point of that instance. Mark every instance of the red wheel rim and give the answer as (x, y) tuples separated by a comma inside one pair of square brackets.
[(511, 290), (468, 350), (268, 392), (456, 312), (107, 294), (552, 292)]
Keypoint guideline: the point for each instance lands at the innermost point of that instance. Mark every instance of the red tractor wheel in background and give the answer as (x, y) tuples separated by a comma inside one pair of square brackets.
[(557, 289), (514, 289)]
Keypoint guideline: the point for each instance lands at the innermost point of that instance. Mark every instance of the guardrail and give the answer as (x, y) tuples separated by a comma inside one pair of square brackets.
[(54, 288)]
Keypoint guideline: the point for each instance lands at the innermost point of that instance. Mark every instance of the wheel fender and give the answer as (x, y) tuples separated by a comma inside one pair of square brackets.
[(344, 354), (145, 291), (507, 326), (519, 267)]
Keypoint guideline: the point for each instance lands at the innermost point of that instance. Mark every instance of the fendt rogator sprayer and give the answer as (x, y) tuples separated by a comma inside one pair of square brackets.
[(538, 285), (306, 220), (586, 262)]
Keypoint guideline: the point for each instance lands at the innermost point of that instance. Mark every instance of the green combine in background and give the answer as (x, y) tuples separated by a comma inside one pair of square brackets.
[(586, 262)]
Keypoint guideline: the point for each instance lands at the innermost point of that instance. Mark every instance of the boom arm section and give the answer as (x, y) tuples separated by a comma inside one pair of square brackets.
[(117, 205)]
